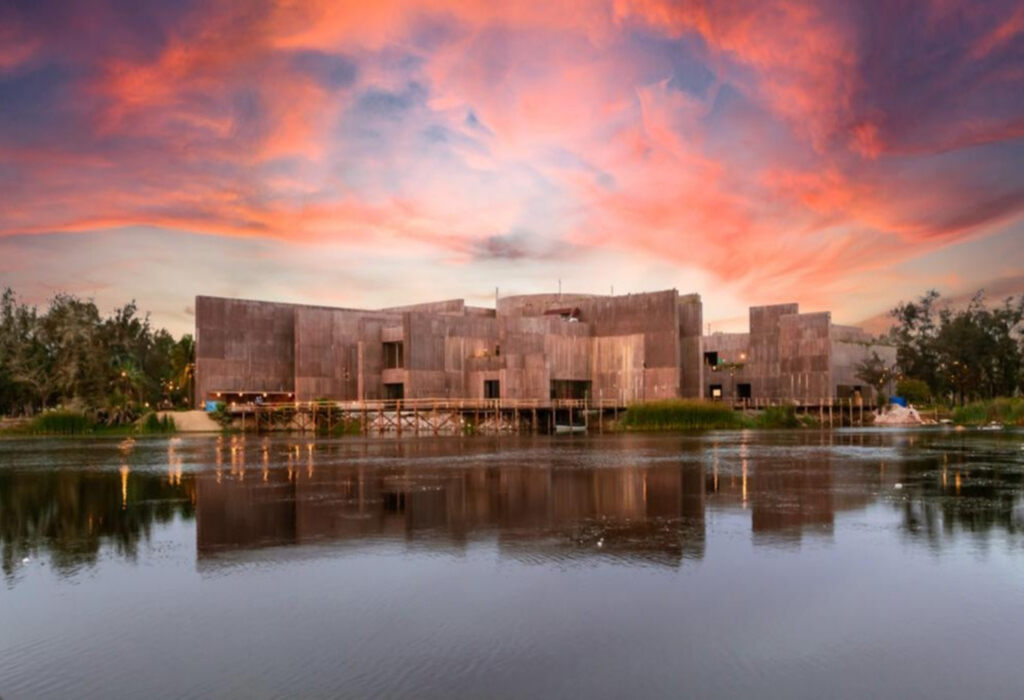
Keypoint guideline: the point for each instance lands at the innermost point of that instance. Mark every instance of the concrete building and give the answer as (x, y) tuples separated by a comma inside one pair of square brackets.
[(624, 348), (790, 356)]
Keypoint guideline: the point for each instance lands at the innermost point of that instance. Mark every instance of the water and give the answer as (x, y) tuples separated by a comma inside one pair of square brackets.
[(777, 565)]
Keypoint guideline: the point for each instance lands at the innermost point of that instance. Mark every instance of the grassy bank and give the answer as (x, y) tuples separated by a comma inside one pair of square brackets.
[(73, 423), (1009, 411)]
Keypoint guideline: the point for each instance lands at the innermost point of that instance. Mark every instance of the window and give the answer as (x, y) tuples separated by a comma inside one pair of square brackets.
[(492, 389), (394, 355), (743, 391), (711, 359), (715, 391), (394, 392)]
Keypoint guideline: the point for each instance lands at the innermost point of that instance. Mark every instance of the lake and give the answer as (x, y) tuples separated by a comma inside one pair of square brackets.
[(804, 564)]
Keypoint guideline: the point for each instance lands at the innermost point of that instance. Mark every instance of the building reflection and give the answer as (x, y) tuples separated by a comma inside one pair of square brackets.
[(623, 498), (791, 493), (654, 513)]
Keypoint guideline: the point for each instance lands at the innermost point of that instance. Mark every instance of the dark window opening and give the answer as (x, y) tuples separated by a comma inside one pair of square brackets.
[(497, 350), (394, 502), (743, 391), (394, 355), (492, 389), (569, 389), (566, 314), (394, 392), (711, 358), (715, 391), (846, 391)]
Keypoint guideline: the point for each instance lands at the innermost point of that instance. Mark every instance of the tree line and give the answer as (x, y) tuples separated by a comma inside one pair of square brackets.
[(113, 368), (956, 355)]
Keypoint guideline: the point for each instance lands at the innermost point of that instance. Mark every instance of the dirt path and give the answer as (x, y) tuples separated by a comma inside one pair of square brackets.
[(192, 421)]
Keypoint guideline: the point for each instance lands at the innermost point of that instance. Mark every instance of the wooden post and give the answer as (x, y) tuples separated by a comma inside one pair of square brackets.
[(416, 421)]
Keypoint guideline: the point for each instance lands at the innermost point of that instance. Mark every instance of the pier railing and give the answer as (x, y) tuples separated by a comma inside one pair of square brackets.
[(447, 416)]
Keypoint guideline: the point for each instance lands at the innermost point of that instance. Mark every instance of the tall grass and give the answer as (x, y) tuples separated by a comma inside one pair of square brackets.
[(679, 414), (61, 422), (1002, 410)]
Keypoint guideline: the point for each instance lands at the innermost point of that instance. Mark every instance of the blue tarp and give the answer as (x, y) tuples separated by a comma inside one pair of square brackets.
[(211, 406), (899, 401)]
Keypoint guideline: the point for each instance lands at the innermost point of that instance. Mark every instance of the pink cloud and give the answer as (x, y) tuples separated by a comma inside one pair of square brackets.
[(467, 127)]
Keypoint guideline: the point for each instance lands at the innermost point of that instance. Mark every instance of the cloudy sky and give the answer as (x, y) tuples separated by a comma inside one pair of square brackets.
[(842, 155)]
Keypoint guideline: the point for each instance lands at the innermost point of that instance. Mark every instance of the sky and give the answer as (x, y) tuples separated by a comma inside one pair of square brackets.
[(843, 155)]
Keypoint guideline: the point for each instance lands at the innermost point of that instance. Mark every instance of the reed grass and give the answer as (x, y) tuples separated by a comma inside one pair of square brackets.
[(1009, 411), (777, 417), (680, 414), (61, 422)]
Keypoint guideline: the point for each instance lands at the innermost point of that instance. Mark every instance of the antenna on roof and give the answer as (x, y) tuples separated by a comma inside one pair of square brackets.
[(613, 290), (559, 287), (495, 298)]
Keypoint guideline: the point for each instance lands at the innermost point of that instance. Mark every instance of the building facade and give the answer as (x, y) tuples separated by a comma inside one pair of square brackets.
[(790, 356), (619, 349), (616, 348)]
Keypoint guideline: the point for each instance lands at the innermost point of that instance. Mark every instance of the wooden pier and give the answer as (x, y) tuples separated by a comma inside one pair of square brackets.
[(425, 417), (416, 417)]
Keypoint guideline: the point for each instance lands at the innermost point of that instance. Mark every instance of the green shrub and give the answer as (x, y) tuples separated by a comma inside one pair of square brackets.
[(158, 426), (777, 417), (221, 415), (679, 414), (913, 390), (62, 422), (346, 427)]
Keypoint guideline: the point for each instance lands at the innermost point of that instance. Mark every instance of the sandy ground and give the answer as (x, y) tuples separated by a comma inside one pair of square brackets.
[(192, 421)]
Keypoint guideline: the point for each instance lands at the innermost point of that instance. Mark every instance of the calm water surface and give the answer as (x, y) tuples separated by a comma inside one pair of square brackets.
[(776, 565)]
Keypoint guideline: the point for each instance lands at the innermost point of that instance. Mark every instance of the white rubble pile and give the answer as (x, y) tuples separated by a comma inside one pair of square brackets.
[(899, 415)]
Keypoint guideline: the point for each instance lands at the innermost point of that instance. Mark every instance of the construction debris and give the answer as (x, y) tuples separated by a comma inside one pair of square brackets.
[(897, 416)]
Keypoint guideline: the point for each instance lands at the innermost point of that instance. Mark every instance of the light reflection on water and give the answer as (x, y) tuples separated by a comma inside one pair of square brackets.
[(783, 564)]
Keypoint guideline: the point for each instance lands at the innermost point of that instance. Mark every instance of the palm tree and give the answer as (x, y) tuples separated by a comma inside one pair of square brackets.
[(183, 364)]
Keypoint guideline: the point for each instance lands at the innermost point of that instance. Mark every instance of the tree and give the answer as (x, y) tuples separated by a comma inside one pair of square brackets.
[(69, 354), (183, 368), (875, 372), (964, 354)]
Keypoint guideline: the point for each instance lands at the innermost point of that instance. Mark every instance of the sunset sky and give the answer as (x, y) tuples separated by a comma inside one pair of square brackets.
[(842, 155)]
